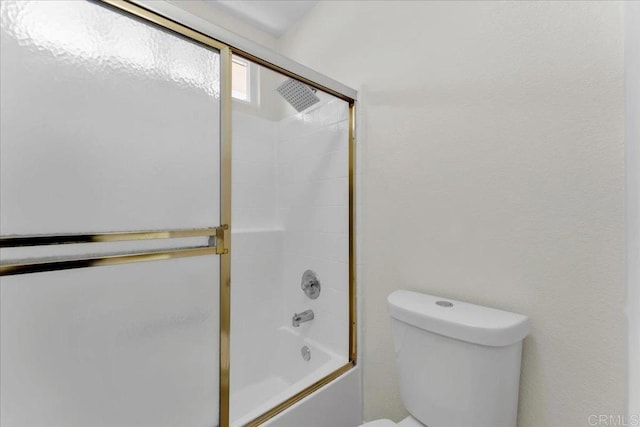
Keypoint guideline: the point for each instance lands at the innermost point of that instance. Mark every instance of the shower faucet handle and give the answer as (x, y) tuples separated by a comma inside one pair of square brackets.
[(310, 284)]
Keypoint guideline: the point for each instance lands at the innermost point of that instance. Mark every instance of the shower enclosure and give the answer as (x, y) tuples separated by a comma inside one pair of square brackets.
[(290, 257), (176, 221)]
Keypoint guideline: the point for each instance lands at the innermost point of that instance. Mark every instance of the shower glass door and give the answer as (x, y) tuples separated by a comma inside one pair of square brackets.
[(291, 292), (110, 149), (116, 172)]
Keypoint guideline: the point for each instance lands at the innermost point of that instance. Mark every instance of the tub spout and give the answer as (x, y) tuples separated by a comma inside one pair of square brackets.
[(305, 316)]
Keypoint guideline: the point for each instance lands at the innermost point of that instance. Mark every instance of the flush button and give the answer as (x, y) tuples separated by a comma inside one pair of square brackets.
[(444, 303)]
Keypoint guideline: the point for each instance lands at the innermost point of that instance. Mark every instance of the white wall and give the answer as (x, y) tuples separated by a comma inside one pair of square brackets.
[(632, 128), (254, 171), (209, 11), (256, 261), (313, 208), (494, 173), (289, 213)]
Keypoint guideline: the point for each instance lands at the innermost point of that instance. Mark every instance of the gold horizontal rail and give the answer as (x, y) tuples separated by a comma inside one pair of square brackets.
[(42, 266), (116, 236)]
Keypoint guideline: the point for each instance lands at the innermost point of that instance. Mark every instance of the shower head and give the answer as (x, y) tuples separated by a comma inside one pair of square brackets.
[(299, 95)]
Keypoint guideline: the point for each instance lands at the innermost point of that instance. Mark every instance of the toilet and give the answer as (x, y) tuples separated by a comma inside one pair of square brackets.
[(458, 364)]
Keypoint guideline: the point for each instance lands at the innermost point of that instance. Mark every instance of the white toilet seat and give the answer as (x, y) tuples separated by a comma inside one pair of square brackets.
[(380, 423), (407, 422)]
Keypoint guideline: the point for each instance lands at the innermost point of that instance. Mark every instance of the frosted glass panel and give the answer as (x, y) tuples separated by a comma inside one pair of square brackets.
[(108, 123), (129, 345)]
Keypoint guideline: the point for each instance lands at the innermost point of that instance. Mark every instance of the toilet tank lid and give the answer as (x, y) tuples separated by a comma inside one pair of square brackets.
[(459, 320)]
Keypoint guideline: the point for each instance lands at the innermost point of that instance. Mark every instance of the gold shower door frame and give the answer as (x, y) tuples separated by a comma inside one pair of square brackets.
[(222, 233)]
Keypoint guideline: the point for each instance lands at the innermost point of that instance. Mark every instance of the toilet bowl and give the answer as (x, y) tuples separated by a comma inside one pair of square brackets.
[(448, 352)]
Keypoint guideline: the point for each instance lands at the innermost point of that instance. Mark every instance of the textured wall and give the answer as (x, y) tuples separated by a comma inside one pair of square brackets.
[(632, 134), (494, 160)]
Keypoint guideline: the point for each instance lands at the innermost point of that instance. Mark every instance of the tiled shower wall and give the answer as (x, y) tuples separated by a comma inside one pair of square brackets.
[(313, 196), (256, 263), (290, 214), (254, 172)]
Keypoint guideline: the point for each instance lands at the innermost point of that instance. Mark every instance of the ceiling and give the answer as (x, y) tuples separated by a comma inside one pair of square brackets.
[(273, 16)]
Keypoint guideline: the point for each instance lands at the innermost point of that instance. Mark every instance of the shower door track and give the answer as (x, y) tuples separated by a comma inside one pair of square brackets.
[(219, 237)]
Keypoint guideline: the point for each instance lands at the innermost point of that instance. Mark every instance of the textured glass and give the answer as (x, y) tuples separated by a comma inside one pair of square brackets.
[(132, 345), (108, 123)]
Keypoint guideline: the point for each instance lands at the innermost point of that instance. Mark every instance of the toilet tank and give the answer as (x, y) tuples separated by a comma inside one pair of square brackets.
[(458, 363)]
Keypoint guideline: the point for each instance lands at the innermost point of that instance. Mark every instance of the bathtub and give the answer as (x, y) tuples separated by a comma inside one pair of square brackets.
[(284, 375)]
